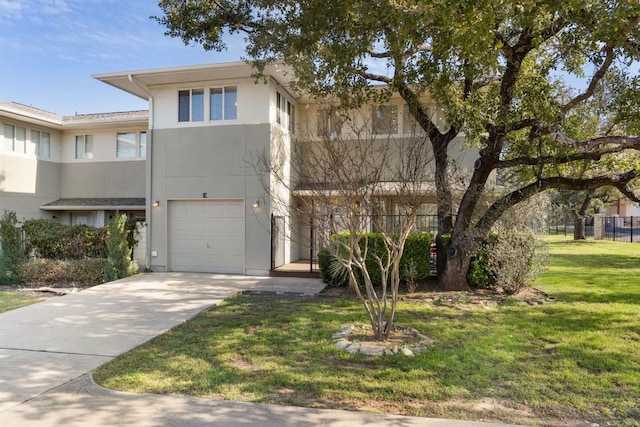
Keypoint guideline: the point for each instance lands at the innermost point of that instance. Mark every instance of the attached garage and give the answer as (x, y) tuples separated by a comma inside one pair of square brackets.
[(206, 236)]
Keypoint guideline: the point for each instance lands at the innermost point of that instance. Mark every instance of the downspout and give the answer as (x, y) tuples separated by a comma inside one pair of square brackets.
[(148, 169)]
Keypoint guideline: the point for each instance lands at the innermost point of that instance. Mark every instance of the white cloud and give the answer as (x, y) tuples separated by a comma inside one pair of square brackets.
[(11, 9)]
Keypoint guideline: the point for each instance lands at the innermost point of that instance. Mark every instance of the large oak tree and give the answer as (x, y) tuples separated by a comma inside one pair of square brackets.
[(491, 64)]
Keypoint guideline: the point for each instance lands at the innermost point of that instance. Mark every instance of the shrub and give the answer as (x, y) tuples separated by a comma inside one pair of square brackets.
[(416, 253), (119, 262), (508, 260), (74, 272), (48, 238), (12, 254)]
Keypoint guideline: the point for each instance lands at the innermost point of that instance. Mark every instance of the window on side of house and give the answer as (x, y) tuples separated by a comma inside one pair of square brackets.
[(41, 143), (328, 124), (9, 135), (410, 125), (191, 105), (84, 146), (384, 119), (285, 112), (142, 149), (291, 112), (15, 138), (131, 145), (126, 146), (223, 103)]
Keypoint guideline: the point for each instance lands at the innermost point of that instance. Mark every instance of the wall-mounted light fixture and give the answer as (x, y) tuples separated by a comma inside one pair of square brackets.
[(256, 204), (156, 203)]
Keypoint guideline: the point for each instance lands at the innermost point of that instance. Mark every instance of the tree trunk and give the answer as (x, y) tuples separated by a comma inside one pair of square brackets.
[(579, 228), (579, 218), (454, 275)]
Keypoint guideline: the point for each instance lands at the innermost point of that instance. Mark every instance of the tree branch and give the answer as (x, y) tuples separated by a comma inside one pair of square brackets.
[(609, 51), (545, 160), (495, 211)]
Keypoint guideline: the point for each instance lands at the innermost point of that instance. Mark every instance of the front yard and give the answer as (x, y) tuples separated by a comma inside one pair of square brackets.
[(570, 363)]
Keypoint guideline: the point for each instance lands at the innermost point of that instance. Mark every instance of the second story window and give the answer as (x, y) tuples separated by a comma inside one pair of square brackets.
[(384, 119), (15, 138), (285, 112), (329, 124), (42, 143), (223, 103), (130, 145), (84, 146), (191, 105)]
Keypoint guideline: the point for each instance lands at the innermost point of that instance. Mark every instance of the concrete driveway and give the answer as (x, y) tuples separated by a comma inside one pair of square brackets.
[(47, 350)]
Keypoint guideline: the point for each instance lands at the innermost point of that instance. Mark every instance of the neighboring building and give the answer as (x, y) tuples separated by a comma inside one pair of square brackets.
[(78, 169), (189, 163)]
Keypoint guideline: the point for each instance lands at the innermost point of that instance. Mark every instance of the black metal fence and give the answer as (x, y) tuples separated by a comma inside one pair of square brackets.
[(566, 227), (622, 228)]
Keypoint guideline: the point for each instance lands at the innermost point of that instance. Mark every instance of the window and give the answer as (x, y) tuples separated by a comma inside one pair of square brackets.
[(84, 146), (130, 145), (411, 126), (42, 143), (223, 103), (126, 146), (15, 138), (329, 124), (142, 148), (384, 119), (191, 105), (285, 112), (291, 111)]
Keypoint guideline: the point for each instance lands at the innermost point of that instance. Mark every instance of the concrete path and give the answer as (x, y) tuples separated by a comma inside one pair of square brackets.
[(47, 349)]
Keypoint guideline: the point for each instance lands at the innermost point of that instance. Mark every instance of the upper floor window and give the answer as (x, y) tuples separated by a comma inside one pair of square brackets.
[(223, 103), (191, 105), (384, 119), (42, 143), (130, 145), (285, 112), (411, 126), (15, 138), (142, 146), (328, 124), (84, 146)]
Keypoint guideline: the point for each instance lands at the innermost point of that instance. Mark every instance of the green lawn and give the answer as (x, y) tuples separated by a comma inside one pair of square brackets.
[(13, 300), (573, 362)]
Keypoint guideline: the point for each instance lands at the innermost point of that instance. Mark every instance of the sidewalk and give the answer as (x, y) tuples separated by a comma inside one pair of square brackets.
[(47, 349)]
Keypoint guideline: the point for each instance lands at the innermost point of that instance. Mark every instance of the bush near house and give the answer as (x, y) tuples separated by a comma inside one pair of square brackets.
[(508, 261), (48, 238), (53, 253), (119, 263), (75, 272), (415, 259), (12, 256)]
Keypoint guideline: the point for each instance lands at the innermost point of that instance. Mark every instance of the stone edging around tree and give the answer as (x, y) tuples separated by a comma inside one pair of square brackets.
[(380, 348)]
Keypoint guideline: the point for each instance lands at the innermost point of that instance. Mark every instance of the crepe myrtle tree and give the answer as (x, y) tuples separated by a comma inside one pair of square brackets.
[(346, 178), (490, 64)]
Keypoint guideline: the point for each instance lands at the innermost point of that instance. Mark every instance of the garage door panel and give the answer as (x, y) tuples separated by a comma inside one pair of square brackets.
[(206, 236)]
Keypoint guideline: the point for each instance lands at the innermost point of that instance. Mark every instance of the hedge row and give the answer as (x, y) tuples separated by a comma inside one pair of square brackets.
[(48, 238), (80, 273), (415, 263)]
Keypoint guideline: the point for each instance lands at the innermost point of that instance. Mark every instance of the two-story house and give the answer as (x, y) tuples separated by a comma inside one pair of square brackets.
[(189, 163)]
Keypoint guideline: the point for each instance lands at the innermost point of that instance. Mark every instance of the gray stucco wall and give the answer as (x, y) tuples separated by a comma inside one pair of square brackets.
[(26, 184), (216, 160), (103, 179)]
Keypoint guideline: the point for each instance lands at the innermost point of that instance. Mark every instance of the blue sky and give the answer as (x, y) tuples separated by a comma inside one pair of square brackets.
[(50, 48)]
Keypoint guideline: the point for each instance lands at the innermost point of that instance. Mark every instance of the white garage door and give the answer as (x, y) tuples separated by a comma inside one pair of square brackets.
[(206, 236)]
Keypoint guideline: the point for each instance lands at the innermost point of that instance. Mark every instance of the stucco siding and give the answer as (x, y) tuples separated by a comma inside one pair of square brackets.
[(103, 179), (26, 184), (215, 163)]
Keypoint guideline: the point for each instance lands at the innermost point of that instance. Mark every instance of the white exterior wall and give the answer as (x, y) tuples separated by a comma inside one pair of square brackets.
[(104, 144), (251, 105)]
